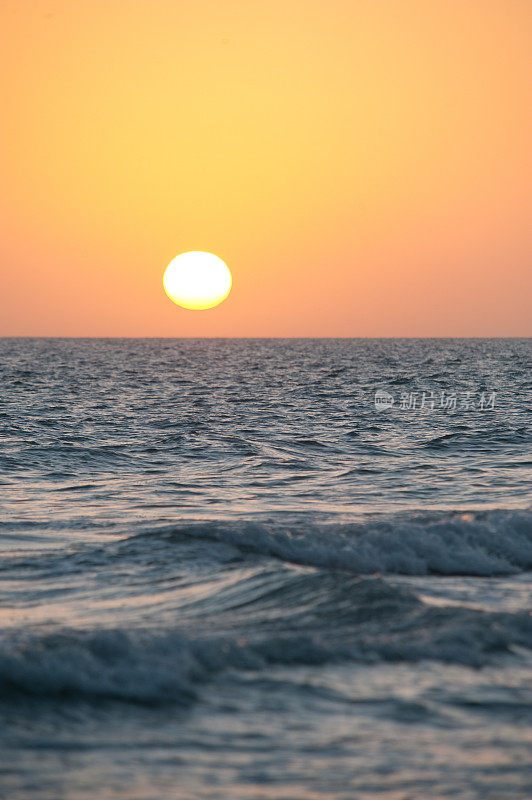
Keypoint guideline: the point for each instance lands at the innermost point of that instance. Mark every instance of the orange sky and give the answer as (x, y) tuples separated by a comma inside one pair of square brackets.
[(363, 166)]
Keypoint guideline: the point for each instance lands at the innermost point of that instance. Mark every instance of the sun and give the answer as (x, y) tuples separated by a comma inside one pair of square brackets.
[(197, 280)]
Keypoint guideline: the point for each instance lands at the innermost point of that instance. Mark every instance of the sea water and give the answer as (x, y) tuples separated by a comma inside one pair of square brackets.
[(265, 568)]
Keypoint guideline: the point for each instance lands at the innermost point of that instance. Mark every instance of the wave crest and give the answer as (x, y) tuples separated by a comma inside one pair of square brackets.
[(480, 544)]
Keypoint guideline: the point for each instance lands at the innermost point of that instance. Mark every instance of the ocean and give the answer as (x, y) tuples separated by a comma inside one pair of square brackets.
[(258, 569)]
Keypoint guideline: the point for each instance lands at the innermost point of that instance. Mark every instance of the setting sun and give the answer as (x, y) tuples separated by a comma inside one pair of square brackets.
[(197, 280)]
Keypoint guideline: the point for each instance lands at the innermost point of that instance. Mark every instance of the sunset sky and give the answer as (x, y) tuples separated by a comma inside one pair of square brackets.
[(362, 166)]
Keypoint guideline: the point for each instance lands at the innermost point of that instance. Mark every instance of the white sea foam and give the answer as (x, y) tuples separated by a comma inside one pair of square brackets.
[(484, 544)]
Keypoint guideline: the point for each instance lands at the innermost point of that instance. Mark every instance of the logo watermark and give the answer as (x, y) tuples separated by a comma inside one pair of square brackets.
[(436, 401), (383, 400)]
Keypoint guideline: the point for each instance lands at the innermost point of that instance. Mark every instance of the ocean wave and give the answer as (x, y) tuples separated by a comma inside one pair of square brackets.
[(502, 433), (451, 543), (264, 620), (101, 664)]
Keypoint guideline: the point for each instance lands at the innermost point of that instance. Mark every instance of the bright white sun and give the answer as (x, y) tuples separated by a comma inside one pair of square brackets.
[(197, 280)]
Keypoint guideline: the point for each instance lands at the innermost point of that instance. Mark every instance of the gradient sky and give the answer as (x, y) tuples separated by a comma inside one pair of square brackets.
[(363, 166)]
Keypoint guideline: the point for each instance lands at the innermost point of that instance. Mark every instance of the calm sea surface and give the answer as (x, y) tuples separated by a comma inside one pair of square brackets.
[(227, 574)]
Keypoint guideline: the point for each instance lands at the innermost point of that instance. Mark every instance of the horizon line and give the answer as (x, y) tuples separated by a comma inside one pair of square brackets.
[(55, 336)]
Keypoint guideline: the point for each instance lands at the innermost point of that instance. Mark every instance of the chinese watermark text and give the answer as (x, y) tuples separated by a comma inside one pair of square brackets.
[(430, 400)]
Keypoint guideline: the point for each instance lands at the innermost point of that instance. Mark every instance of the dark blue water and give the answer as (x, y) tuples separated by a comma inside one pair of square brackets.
[(227, 574)]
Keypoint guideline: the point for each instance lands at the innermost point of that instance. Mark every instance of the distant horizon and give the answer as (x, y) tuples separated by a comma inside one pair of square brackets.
[(472, 338)]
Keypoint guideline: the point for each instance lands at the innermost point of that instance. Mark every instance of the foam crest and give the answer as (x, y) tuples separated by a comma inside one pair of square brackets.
[(481, 544)]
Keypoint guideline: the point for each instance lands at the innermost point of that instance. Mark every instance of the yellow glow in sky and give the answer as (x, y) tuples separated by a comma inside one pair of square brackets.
[(363, 165)]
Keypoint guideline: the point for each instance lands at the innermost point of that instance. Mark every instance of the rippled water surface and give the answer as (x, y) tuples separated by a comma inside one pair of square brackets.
[(226, 574)]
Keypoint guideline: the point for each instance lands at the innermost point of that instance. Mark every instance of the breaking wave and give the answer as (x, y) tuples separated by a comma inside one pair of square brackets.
[(264, 619), (481, 544)]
